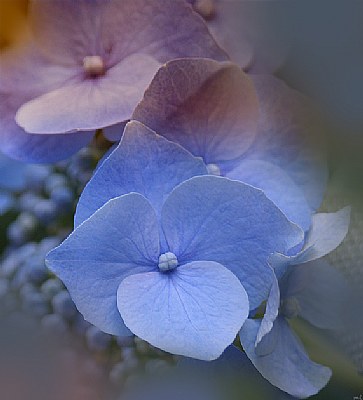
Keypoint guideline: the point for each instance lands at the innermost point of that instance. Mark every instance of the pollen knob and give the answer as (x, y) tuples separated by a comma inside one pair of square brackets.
[(167, 262), (93, 66), (213, 169)]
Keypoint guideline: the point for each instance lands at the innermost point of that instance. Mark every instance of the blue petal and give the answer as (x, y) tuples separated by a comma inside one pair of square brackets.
[(288, 367), (195, 311), (271, 313), (217, 219), (327, 231), (120, 239), (145, 163), (274, 181)]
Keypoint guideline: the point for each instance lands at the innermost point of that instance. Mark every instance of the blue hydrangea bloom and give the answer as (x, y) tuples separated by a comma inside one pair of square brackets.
[(87, 67), (249, 128), (306, 289), (177, 262)]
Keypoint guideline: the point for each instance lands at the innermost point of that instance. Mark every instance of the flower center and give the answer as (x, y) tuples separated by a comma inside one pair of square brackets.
[(213, 169), (167, 262), (93, 66), (206, 8), (290, 307)]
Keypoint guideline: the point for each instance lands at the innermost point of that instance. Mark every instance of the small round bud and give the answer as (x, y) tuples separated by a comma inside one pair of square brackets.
[(93, 66), (213, 169), (167, 262)]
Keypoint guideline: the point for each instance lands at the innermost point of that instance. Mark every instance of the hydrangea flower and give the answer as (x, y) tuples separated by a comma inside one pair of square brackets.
[(177, 262), (249, 128), (88, 67), (305, 289)]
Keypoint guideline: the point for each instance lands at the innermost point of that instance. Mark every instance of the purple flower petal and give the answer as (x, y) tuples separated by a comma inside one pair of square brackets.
[(24, 73), (210, 108), (68, 31), (91, 103)]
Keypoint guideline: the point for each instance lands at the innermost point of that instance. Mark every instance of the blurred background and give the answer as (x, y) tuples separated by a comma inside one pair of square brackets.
[(316, 47)]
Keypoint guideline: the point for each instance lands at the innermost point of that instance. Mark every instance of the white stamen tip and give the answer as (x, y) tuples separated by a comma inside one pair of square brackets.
[(167, 262), (290, 307), (213, 169), (93, 65)]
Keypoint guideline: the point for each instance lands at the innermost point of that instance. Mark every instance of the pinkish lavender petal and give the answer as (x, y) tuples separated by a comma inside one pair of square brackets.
[(210, 108), (91, 103), (24, 74), (69, 30)]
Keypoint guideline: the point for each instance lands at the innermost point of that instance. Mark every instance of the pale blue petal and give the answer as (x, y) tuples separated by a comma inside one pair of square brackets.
[(280, 264), (195, 311), (271, 313), (288, 367), (327, 231), (120, 239), (217, 219), (277, 186), (145, 163)]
